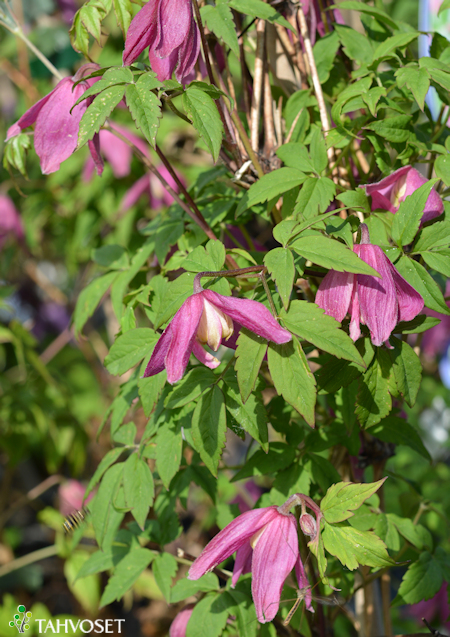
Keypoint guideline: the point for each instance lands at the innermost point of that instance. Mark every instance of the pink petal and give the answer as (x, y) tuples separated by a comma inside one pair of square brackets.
[(381, 191), (141, 32), (29, 118), (274, 557), (133, 194), (355, 330), (377, 297), (230, 539), (184, 327), (243, 562), (164, 67), (179, 624), (334, 293), (303, 583), (173, 23), (251, 314), (94, 149), (56, 133), (188, 53), (157, 360), (204, 357), (410, 302)]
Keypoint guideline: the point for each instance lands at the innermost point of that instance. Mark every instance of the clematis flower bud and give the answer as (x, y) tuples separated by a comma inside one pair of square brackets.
[(208, 318), (308, 525), (168, 28), (389, 193), (56, 131), (266, 544), (378, 303)]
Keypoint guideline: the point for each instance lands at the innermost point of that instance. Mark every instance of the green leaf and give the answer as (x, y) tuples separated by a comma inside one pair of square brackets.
[(407, 370), (124, 14), (397, 41), (280, 264), (169, 447), (442, 168), (97, 113), (353, 547), (15, 151), (164, 568), (342, 499), (219, 20), (178, 291), (293, 378), (356, 45), (203, 260), (315, 195), (150, 389), (125, 574), (88, 20), (89, 298), (251, 415), (444, 7), (138, 488), (373, 401), (209, 616), (245, 613), (423, 283), (407, 218), (129, 349), (417, 80), (355, 199), (186, 588), (296, 156), (209, 424), (145, 106), (250, 353), (259, 9), (372, 97), (105, 517), (270, 186), (309, 321), (280, 456), (419, 324), (101, 561), (111, 256), (397, 430), (394, 129), (382, 16), (331, 254), (324, 52), (434, 236), (438, 260), (421, 581), (108, 459), (190, 387), (203, 113)]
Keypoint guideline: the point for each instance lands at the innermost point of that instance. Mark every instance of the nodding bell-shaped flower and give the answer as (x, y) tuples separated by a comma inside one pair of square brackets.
[(168, 28), (379, 303), (56, 131), (208, 318), (389, 193), (266, 544)]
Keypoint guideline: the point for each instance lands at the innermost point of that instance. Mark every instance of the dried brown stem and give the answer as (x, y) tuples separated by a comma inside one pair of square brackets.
[(269, 128), (258, 78)]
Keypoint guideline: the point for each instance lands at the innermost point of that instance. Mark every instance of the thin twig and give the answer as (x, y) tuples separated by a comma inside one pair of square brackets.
[(269, 128), (31, 558)]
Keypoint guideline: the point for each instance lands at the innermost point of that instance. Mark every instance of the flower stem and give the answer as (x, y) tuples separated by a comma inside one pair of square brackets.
[(227, 273)]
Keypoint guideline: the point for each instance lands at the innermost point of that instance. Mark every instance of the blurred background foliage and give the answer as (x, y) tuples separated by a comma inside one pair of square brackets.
[(54, 389)]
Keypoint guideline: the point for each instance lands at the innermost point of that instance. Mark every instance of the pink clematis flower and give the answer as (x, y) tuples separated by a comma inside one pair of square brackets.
[(266, 544), (150, 185), (71, 496), (10, 223), (56, 131), (168, 28), (378, 303), (179, 624), (206, 318), (389, 193)]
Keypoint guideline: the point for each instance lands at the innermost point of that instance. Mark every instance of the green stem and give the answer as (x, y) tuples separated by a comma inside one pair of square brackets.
[(31, 558), (20, 34)]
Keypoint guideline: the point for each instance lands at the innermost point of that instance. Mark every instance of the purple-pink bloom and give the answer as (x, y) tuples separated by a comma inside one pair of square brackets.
[(389, 193), (10, 223), (168, 28), (56, 131), (71, 496), (150, 185), (179, 624), (379, 303), (266, 543), (208, 318)]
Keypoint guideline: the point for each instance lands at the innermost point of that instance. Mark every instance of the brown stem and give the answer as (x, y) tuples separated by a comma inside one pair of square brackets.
[(315, 79), (258, 76), (247, 145), (269, 128)]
